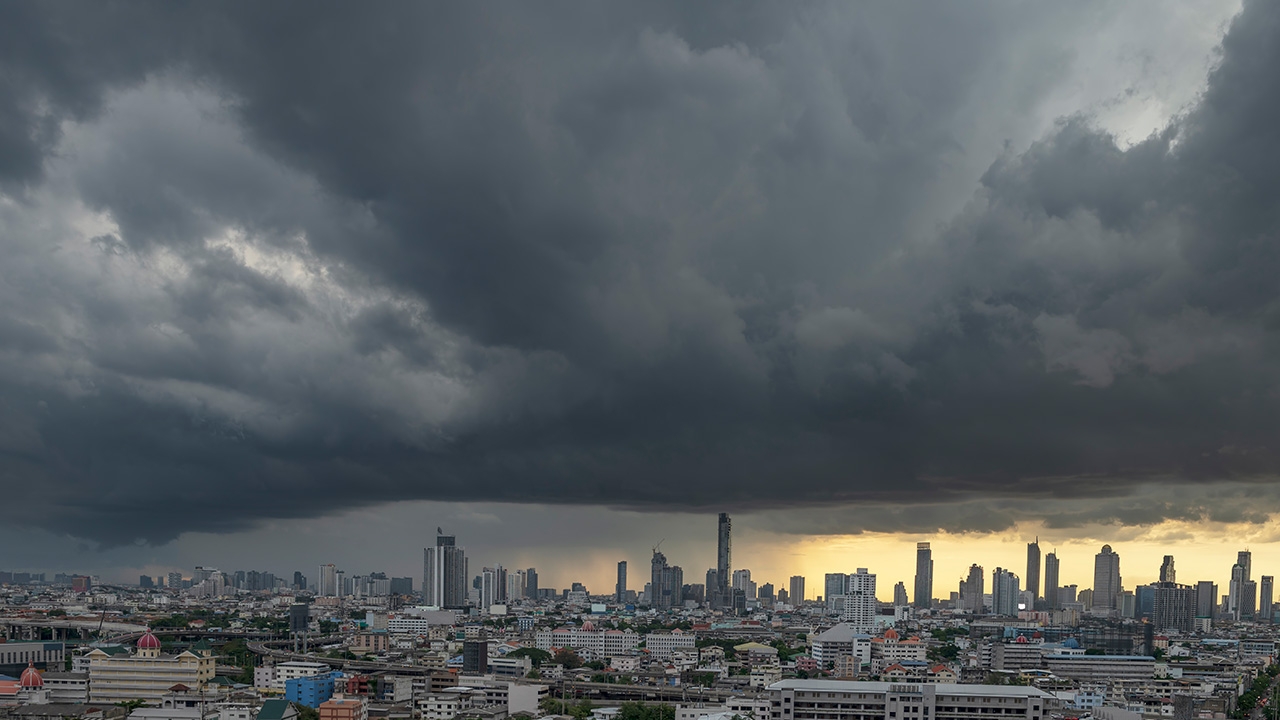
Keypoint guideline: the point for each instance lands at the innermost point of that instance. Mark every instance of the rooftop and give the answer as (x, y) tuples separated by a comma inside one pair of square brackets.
[(884, 687)]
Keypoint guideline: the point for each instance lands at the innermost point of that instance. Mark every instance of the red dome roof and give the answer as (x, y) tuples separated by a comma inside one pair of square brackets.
[(31, 678), (148, 642), (890, 634)]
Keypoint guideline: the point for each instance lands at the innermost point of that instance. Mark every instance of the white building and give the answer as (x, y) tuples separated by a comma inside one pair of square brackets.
[(662, 645), (294, 670), (588, 642), (860, 602), (853, 700), (843, 640)]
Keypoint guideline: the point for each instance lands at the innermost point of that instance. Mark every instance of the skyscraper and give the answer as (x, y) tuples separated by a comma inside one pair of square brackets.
[(1106, 579), (796, 596), (1173, 606), (1266, 598), (724, 558), (900, 594), (666, 582), (327, 581), (444, 574), (972, 590), (1033, 571), (1167, 573), (835, 585), (1052, 600), (1004, 592), (924, 575), (860, 603), (1206, 599), (1238, 589), (531, 583), (620, 588)]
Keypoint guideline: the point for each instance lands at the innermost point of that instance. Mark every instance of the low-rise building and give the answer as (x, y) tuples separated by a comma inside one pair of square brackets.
[(854, 700)]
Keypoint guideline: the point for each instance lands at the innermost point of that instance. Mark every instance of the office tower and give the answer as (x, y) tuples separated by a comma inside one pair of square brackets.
[(900, 594), (742, 581), (1144, 602), (1244, 559), (444, 573), (796, 595), (531, 583), (924, 575), (783, 595), (713, 585), (299, 580), (343, 583), (1052, 601), (1033, 572), (1173, 606), (766, 593), (1249, 600), (836, 585), (1106, 579), (1167, 574), (1266, 610), (972, 590), (860, 603), (327, 581), (1206, 599), (1067, 594), (724, 557), (1004, 592), (1085, 597), (173, 580), (620, 587)]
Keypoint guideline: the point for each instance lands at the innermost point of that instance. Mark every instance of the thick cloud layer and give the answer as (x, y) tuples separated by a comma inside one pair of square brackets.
[(272, 261)]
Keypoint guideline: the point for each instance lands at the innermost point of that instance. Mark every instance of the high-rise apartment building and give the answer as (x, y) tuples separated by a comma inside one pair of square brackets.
[(860, 603), (327, 581), (1033, 571), (1167, 573), (1106, 580), (972, 590), (493, 586), (620, 587), (444, 573), (1052, 599), (796, 596), (173, 580), (924, 575), (724, 559), (900, 595), (1004, 592), (1206, 599), (1173, 607)]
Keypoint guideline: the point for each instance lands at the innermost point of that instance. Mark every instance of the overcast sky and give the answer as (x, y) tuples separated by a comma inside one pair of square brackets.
[(572, 277)]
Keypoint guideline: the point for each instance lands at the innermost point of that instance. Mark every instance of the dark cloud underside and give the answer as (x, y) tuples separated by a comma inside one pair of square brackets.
[(666, 257)]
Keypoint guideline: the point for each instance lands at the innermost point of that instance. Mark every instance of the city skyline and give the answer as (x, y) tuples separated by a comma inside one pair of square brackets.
[(898, 556)]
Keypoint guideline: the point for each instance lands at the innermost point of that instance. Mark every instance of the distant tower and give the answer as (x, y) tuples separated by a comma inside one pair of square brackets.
[(444, 570), (1033, 570), (1106, 579), (1052, 600), (724, 557), (1167, 574), (797, 590), (620, 589), (900, 594), (924, 575)]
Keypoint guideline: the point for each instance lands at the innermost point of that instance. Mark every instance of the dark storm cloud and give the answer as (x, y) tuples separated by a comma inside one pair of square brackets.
[(271, 263)]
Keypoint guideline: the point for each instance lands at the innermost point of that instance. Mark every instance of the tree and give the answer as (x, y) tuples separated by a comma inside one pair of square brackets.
[(568, 658), (131, 705), (536, 656), (306, 713)]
